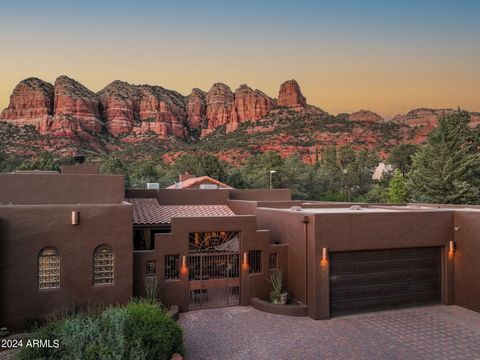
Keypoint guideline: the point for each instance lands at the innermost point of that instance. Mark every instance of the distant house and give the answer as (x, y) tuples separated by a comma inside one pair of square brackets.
[(189, 181), (380, 169)]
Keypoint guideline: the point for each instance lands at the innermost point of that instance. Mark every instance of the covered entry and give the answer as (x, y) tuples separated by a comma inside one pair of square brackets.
[(362, 281), (214, 269)]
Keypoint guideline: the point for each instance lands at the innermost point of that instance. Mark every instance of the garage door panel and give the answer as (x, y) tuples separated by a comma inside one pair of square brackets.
[(382, 279)]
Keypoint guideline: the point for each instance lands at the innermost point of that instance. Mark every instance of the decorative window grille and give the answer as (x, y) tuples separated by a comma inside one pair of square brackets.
[(172, 267), (255, 261), (273, 261), (49, 269), (215, 241), (103, 265), (151, 268)]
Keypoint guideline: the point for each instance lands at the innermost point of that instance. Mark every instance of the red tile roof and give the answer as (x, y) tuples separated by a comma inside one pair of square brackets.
[(147, 211), (196, 181)]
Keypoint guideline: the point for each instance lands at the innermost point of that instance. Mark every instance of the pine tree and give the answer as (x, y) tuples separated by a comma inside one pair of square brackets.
[(447, 168), (397, 192)]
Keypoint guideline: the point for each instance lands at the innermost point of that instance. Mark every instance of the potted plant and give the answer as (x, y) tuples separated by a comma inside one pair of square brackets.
[(277, 295)]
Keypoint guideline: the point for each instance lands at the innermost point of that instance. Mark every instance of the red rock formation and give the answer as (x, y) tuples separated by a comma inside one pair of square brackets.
[(290, 95), (365, 115), (422, 117), (31, 100), (164, 108), (75, 100), (251, 105), (196, 108), (220, 106), (143, 109), (119, 102)]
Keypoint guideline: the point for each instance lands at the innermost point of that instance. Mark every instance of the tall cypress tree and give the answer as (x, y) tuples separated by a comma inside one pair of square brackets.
[(447, 168)]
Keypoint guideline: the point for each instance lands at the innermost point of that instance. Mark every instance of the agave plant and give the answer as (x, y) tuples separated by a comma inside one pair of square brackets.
[(151, 289), (276, 281)]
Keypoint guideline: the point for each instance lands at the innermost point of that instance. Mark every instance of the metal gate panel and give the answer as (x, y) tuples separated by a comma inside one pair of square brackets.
[(214, 279)]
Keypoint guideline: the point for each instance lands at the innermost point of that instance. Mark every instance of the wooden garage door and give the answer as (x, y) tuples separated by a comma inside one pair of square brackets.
[(362, 281)]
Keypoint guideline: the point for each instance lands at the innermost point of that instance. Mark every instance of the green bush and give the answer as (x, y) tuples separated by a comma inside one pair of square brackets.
[(135, 331)]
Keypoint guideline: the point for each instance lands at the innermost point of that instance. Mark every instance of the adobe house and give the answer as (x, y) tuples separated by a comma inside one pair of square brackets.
[(189, 181), (79, 238)]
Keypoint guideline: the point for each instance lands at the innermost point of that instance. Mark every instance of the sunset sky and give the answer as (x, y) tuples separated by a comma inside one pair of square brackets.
[(385, 56)]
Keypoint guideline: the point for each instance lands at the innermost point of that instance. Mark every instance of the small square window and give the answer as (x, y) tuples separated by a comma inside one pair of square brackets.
[(172, 267), (151, 268), (255, 261), (272, 261)]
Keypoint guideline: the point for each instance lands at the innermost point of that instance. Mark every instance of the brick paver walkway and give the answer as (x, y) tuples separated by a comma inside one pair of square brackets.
[(433, 332)]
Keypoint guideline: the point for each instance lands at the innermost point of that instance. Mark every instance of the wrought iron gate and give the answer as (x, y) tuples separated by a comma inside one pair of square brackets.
[(214, 270)]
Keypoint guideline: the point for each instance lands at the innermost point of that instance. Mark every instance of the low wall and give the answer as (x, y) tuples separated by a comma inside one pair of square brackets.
[(277, 309)]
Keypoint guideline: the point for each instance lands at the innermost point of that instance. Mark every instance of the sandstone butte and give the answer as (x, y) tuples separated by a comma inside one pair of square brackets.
[(67, 108)]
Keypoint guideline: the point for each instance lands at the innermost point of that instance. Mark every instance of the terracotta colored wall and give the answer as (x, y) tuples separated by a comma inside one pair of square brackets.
[(20, 189), (26, 230), (176, 243), (288, 228), (261, 194), (467, 266), (80, 169)]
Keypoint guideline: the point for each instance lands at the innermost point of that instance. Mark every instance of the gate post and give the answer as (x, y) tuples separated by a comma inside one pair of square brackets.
[(185, 289), (244, 283)]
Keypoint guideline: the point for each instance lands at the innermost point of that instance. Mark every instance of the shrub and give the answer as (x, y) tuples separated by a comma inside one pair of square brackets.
[(134, 331)]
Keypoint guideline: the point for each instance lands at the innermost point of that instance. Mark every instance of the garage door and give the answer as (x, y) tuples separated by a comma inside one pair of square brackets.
[(362, 281)]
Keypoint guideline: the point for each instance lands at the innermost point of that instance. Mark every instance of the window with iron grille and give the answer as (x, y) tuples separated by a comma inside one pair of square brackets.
[(49, 269), (103, 265), (172, 267), (255, 261), (272, 261), (151, 268)]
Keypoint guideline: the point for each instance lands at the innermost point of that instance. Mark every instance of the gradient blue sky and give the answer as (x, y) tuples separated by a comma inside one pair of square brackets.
[(382, 55)]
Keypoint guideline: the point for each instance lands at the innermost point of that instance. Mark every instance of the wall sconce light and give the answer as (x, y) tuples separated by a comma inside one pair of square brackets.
[(245, 258), (184, 262), (75, 217), (324, 254), (452, 246)]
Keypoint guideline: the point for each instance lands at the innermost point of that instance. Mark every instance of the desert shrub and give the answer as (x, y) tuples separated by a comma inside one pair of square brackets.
[(134, 331)]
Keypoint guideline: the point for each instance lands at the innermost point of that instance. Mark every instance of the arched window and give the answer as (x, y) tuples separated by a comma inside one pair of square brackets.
[(103, 266), (48, 269)]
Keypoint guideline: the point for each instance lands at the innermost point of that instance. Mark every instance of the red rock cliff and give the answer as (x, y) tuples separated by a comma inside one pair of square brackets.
[(31, 100), (290, 95)]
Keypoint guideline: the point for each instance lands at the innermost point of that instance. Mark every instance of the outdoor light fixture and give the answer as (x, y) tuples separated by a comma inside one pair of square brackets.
[(245, 258), (452, 246), (184, 261), (75, 217), (324, 254)]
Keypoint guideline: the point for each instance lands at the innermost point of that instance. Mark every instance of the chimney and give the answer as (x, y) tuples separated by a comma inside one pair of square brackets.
[(186, 176)]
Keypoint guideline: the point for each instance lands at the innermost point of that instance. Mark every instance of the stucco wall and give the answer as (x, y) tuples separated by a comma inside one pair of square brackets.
[(26, 230), (467, 266), (23, 189)]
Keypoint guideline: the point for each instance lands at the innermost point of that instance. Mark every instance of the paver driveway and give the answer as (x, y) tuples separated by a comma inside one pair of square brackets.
[(433, 332)]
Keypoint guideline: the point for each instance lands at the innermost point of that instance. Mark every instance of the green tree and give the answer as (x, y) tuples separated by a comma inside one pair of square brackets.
[(148, 171), (44, 161), (115, 165), (447, 168), (256, 171), (401, 157), (299, 177), (397, 192)]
